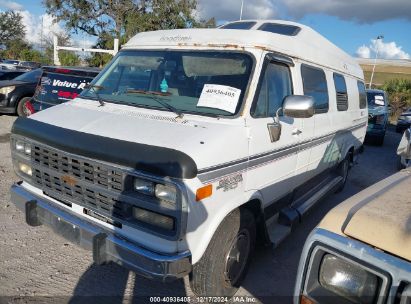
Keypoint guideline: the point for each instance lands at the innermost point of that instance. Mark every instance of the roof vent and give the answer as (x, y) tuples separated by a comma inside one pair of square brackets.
[(246, 25), (282, 29)]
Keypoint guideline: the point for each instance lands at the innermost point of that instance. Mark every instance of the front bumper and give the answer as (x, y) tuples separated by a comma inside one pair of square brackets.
[(106, 246), (5, 106)]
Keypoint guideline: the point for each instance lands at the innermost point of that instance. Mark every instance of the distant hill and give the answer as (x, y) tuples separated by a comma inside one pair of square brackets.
[(385, 70)]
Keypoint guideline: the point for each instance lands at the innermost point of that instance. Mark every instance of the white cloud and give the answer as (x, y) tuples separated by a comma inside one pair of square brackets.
[(39, 26), (10, 5), (388, 50), (229, 10), (363, 52), (362, 11)]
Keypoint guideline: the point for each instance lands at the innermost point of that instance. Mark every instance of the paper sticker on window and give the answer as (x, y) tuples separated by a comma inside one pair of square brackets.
[(379, 100), (219, 97)]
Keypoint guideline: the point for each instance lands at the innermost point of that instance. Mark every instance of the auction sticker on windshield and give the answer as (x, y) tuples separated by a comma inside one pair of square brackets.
[(219, 97)]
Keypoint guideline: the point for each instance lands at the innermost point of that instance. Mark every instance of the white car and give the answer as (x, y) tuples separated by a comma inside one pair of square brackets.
[(192, 145), (404, 150)]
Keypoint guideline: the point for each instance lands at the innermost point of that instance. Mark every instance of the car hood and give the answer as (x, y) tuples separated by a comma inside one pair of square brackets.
[(208, 141), (379, 215), (7, 83)]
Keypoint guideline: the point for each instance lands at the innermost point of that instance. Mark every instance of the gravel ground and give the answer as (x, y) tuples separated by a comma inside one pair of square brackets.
[(36, 265)]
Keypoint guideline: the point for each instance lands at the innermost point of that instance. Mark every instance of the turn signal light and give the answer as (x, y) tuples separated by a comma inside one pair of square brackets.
[(204, 192), (305, 300)]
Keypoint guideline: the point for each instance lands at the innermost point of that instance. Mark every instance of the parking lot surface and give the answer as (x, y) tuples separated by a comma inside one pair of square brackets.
[(37, 263)]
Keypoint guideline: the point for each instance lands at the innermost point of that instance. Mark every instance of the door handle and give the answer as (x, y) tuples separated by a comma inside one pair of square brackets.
[(296, 132)]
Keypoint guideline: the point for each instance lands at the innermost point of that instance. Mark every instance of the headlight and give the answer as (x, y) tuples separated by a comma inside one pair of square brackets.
[(154, 219), (22, 147), (143, 186), (348, 279), (24, 168), (167, 193), (7, 90)]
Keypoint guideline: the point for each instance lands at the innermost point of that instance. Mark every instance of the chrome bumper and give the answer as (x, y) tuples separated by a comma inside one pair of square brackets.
[(106, 246)]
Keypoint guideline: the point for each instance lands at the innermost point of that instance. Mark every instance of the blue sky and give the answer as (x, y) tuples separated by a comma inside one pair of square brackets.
[(350, 24)]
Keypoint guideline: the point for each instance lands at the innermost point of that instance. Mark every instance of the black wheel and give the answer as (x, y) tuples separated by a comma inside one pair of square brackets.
[(402, 163), (21, 107), (342, 170), (224, 264)]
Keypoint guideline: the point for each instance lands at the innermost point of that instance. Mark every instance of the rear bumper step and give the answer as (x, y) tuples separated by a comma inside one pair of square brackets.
[(106, 246)]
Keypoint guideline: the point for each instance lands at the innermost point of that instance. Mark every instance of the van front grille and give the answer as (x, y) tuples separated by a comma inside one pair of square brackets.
[(84, 170), (56, 187)]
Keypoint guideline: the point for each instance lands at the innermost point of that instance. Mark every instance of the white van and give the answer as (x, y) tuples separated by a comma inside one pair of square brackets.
[(193, 144)]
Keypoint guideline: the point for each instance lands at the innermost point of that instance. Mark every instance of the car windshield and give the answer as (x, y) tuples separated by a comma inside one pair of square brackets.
[(375, 99), (32, 76), (197, 82)]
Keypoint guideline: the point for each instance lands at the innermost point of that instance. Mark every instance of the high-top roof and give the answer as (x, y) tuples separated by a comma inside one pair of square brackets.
[(303, 43)]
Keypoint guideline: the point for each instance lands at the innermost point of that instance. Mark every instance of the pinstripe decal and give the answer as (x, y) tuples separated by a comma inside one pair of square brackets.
[(213, 173)]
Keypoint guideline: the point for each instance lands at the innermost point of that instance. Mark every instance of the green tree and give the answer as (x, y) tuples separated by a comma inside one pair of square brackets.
[(69, 58), (93, 17), (161, 15), (11, 27), (15, 47), (399, 92)]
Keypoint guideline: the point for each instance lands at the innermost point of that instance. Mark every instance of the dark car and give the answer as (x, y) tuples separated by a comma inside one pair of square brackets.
[(9, 75), (15, 93), (404, 121), (31, 65), (60, 84), (377, 115)]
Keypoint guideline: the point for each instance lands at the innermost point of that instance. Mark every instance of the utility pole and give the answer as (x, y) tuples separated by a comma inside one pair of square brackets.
[(241, 11), (380, 37)]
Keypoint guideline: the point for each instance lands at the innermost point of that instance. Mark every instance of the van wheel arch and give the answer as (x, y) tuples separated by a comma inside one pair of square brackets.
[(255, 206)]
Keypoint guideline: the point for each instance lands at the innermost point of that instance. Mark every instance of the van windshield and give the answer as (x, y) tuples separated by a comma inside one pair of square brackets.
[(197, 82), (375, 99)]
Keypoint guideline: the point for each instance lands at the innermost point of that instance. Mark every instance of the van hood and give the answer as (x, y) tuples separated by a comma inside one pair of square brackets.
[(153, 137), (379, 215)]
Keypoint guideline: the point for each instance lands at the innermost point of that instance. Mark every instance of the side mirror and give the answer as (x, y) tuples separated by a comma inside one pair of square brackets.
[(298, 106)]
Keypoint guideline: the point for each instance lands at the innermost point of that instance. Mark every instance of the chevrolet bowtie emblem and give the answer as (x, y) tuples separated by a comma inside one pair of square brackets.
[(69, 180)]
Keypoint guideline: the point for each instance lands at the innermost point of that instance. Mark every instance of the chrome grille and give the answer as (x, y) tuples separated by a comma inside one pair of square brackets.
[(69, 179), (55, 187), (87, 171)]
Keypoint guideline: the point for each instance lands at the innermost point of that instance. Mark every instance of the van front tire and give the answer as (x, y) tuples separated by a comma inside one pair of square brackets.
[(224, 264)]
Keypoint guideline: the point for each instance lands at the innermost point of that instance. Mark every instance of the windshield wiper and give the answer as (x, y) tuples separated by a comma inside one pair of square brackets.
[(153, 94), (94, 88)]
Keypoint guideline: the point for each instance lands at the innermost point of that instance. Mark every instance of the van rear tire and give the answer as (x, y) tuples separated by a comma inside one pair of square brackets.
[(342, 170), (224, 264)]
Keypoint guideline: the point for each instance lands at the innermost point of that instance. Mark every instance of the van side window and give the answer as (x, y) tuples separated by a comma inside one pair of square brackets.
[(363, 95), (341, 92), (315, 85), (275, 85)]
